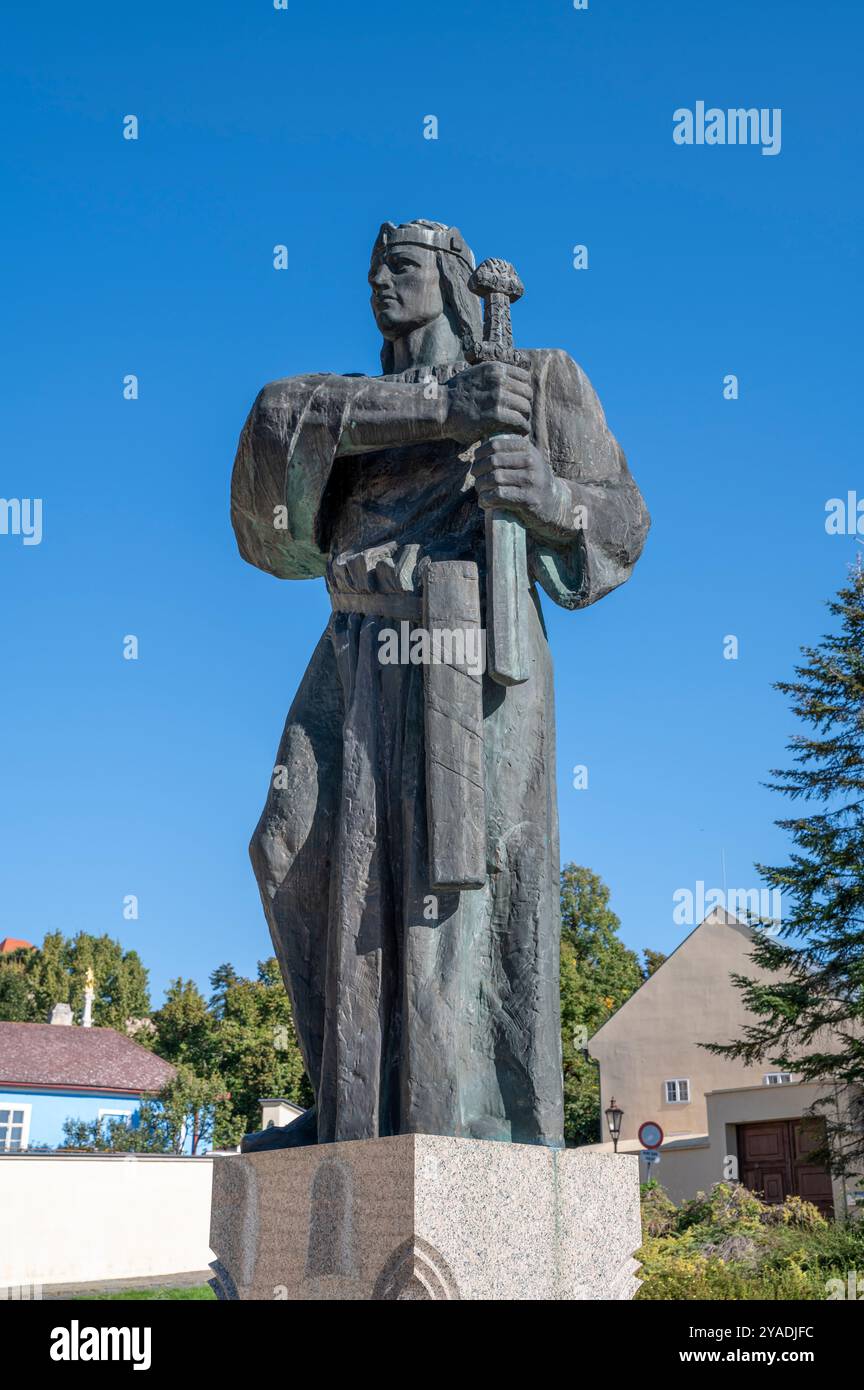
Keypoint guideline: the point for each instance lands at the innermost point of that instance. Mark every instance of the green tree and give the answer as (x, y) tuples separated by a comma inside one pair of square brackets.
[(581, 1080), (121, 991), (258, 1051), (187, 1035), (189, 1105), (16, 993), (49, 979), (652, 962), (151, 1133), (181, 1114), (810, 1014), (56, 972), (186, 1029), (598, 973)]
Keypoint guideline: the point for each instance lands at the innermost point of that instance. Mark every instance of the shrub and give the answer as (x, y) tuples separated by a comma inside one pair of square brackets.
[(727, 1244), (658, 1209), (795, 1212)]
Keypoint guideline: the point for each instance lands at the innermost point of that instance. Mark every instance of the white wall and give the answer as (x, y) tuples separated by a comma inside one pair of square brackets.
[(84, 1218)]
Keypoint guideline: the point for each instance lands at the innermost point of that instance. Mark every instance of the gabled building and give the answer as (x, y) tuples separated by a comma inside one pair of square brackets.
[(51, 1072), (721, 1119)]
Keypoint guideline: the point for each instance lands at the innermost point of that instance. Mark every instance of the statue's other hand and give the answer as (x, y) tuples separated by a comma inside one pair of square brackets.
[(512, 474), (486, 399)]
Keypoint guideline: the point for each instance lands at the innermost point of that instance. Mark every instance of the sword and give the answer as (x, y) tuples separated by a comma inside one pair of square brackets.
[(498, 285)]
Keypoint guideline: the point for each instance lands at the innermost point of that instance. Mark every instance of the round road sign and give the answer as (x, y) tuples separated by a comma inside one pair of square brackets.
[(650, 1135)]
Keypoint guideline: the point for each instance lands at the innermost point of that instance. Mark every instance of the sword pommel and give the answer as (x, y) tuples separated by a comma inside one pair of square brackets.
[(497, 284)]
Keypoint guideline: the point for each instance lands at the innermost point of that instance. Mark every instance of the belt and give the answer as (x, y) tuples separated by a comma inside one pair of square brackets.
[(394, 606)]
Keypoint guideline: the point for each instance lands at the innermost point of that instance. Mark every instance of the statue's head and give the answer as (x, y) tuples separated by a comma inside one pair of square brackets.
[(419, 271)]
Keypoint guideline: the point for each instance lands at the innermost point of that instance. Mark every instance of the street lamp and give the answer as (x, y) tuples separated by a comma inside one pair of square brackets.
[(614, 1116)]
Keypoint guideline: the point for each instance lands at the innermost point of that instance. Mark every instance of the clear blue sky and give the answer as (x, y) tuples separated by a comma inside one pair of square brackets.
[(154, 257)]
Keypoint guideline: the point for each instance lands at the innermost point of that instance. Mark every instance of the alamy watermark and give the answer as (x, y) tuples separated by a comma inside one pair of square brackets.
[(464, 647), (22, 516), (77, 1343), (844, 516), (764, 905), (736, 126), (851, 1288)]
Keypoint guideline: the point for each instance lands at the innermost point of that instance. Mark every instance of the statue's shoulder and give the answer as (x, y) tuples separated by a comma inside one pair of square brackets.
[(567, 409), (555, 364), (561, 380)]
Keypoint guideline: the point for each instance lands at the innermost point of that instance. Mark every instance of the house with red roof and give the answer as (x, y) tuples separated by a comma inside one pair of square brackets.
[(51, 1072)]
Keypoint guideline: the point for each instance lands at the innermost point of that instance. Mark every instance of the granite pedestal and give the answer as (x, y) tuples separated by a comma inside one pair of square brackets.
[(424, 1217)]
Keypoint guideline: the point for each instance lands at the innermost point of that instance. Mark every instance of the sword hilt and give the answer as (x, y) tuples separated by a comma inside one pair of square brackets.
[(498, 285)]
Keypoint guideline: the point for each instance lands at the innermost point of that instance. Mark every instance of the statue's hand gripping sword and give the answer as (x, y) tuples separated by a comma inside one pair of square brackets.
[(498, 285)]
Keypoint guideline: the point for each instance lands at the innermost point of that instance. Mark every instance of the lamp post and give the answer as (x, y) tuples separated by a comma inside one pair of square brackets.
[(614, 1116)]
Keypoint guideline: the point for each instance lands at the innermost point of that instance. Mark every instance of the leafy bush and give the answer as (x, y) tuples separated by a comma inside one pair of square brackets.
[(727, 1244), (796, 1212), (658, 1210), (729, 1208)]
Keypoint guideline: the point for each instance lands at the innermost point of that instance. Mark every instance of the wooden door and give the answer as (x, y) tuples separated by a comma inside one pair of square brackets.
[(764, 1159), (774, 1160), (810, 1180)]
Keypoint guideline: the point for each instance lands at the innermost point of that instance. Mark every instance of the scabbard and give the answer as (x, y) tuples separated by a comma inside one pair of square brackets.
[(453, 687)]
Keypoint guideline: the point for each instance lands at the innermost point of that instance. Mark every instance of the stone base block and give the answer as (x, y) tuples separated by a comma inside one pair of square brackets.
[(417, 1216)]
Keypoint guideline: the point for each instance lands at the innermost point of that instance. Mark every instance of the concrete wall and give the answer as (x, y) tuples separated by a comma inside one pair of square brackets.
[(685, 1166), (654, 1036), (82, 1218), (682, 1172)]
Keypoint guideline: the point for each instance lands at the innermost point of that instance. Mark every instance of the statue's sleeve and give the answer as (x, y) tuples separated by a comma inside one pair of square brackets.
[(571, 428), (284, 460)]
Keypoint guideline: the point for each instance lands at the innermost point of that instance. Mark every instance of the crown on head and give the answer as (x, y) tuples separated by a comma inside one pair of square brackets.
[(433, 235)]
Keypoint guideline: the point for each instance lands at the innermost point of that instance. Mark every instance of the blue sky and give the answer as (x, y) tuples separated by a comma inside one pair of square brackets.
[(154, 257)]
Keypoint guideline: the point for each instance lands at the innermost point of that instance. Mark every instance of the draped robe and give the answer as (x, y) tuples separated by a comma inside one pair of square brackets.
[(417, 1012)]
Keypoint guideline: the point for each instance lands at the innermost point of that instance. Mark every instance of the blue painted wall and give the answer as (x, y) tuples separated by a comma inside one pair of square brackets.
[(51, 1108)]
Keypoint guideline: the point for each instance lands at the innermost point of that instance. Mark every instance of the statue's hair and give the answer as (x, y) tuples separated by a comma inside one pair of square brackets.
[(462, 308)]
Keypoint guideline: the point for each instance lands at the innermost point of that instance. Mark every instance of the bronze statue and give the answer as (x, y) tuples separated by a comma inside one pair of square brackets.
[(407, 855)]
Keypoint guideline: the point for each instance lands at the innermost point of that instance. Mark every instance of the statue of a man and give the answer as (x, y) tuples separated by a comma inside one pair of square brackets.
[(422, 1006)]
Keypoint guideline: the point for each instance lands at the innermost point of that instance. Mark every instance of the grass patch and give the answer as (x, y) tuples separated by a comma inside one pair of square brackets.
[(198, 1291)]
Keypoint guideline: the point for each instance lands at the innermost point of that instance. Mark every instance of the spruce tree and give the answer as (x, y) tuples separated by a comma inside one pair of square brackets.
[(810, 1015)]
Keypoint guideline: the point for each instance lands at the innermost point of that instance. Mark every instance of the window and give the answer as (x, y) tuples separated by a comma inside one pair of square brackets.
[(678, 1092), (777, 1078), (14, 1128), (106, 1117)]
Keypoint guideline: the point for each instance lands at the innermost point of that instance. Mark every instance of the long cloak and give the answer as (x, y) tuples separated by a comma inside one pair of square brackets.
[(417, 1012)]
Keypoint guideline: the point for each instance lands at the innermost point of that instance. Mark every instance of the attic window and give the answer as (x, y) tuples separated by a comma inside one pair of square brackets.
[(677, 1092), (777, 1078)]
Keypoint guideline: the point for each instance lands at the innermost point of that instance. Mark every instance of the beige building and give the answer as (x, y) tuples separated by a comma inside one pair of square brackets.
[(721, 1119)]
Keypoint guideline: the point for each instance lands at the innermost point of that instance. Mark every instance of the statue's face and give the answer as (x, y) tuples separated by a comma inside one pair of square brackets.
[(406, 289)]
